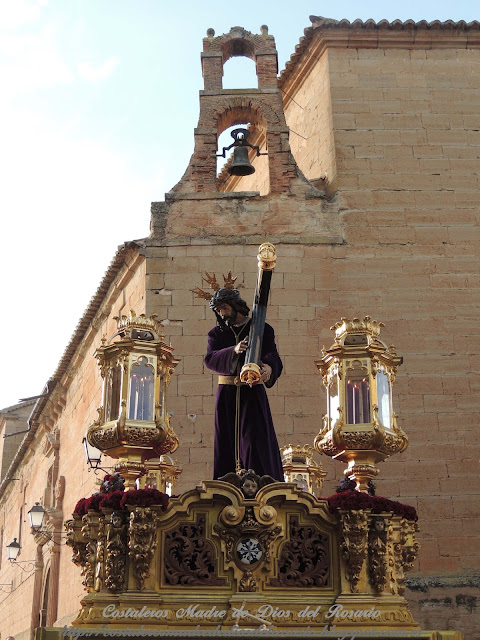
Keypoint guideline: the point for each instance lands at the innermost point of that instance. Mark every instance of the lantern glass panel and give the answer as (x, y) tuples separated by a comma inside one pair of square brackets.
[(358, 396), (383, 398), (333, 402), (141, 393), (113, 393)]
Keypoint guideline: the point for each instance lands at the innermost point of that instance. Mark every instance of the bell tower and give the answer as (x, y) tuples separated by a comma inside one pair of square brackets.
[(223, 108), (237, 207)]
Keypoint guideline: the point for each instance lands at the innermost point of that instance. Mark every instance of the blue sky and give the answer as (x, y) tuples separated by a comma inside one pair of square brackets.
[(99, 102)]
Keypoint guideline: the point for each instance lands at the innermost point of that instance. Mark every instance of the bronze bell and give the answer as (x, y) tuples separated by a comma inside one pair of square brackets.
[(241, 165)]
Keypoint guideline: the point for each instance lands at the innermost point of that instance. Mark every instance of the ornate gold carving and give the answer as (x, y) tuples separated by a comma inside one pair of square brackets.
[(190, 558), (266, 256), (354, 544), (103, 438), (350, 372), (304, 558), (231, 516), (247, 582), (367, 326), (257, 529), (169, 443), (89, 534), (283, 534), (377, 553), (124, 428), (142, 542), (100, 559), (116, 552), (126, 323), (300, 467), (250, 374), (76, 541)]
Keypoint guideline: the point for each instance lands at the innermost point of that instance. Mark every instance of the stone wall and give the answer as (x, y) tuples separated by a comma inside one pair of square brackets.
[(406, 150)]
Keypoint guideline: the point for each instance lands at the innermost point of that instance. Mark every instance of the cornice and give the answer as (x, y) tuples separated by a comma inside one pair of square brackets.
[(328, 33)]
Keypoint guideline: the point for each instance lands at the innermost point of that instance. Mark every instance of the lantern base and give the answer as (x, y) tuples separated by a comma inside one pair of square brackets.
[(131, 470), (362, 473)]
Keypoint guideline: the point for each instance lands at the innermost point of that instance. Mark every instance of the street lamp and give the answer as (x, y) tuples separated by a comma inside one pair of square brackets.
[(13, 549), (35, 516), (92, 454)]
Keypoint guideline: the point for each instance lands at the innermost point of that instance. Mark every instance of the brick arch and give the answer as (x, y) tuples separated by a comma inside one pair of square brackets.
[(233, 47), (239, 42), (229, 112)]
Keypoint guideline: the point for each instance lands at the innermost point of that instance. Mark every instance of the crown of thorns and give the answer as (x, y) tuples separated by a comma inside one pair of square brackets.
[(228, 296), (211, 280)]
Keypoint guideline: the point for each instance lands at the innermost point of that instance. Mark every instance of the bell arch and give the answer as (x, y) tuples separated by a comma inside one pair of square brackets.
[(222, 108), (239, 42)]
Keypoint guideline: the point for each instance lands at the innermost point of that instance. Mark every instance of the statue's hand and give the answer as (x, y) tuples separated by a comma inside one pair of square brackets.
[(241, 346), (265, 371)]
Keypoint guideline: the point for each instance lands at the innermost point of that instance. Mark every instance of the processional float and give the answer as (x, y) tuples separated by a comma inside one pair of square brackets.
[(213, 560)]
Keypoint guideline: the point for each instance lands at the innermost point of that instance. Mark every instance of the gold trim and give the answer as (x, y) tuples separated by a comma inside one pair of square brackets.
[(234, 380)]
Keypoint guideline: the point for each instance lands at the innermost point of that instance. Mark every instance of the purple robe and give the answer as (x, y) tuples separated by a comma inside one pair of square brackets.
[(258, 446)]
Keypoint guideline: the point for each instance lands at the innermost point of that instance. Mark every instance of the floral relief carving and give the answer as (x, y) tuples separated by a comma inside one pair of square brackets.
[(304, 559), (116, 552), (142, 542), (190, 559), (354, 544)]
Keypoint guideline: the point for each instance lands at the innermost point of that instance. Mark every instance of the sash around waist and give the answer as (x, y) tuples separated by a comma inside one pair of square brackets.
[(233, 380), (230, 380)]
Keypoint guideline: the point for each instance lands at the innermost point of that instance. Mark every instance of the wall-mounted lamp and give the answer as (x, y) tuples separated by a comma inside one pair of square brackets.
[(93, 455), (13, 549), (35, 517)]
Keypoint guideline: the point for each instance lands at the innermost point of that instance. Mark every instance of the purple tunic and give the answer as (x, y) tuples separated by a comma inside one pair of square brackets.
[(258, 446)]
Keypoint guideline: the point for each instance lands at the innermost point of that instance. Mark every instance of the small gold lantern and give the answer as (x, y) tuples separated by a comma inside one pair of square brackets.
[(360, 426), (133, 423), (300, 467), (161, 474)]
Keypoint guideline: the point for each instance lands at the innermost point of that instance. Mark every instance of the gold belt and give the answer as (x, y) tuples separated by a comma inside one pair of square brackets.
[(230, 380)]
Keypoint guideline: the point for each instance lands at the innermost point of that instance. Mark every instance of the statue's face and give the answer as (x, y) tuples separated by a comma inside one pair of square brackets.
[(249, 488), (226, 312)]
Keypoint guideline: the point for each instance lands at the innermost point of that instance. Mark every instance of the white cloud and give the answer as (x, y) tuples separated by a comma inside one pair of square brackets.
[(14, 13), (96, 74), (30, 62)]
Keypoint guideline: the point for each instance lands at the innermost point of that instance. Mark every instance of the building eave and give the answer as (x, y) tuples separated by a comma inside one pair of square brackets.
[(383, 34)]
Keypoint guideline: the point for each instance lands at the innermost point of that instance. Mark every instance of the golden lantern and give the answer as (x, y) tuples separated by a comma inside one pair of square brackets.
[(360, 426), (161, 474), (133, 423), (300, 467)]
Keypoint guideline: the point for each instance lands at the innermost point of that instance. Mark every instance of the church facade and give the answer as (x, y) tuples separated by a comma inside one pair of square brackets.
[(369, 191)]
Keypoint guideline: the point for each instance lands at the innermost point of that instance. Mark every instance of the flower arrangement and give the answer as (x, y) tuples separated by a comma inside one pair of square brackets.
[(356, 501), (144, 498), (113, 496)]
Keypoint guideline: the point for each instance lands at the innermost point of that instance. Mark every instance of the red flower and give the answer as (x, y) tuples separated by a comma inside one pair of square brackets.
[(93, 503), (144, 498), (357, 500), (80, 508), (112, 500)]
